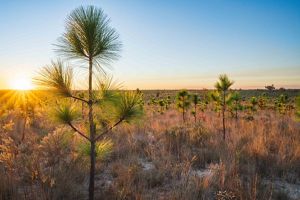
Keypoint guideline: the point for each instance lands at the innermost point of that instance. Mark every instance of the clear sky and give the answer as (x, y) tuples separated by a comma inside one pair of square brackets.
[(167, 44)]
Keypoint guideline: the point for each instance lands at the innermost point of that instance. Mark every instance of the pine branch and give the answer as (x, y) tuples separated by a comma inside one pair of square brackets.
[(80, 99), (108, 130), (79, 132)]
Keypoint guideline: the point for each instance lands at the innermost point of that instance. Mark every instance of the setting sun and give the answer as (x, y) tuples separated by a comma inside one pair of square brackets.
[(21, 84)]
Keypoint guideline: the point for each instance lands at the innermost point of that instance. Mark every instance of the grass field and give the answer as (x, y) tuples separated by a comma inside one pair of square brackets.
[(156, 157)]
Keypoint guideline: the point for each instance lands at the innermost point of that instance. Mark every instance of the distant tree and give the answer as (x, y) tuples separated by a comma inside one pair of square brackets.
[(235, 100), (162, 105), (138, 90), (206, 98), (270, 87), (168, 102), (282, 89), (253, 102), (222, 86), (283, 98), (203, 102), (183, 102), (195, 101), (262, 102), (281, 103), (153, 101), (216, 98), (157, 94)]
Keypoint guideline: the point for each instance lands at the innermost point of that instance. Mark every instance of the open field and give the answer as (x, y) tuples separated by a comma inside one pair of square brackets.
[(157, 157)]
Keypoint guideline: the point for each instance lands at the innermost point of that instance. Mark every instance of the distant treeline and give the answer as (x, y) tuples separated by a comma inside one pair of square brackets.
[(291, 93)]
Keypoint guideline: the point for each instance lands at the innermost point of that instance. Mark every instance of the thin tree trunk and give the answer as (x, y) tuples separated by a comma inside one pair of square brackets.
[(92, 134), (92, 171)]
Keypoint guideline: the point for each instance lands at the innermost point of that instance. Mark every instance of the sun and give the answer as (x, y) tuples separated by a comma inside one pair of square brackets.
[(21, 84)]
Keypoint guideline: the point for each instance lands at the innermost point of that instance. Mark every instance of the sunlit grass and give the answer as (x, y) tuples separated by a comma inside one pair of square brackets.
[(18, 98)]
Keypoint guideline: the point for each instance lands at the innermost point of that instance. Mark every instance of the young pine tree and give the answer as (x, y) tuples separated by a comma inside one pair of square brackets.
[(88, 38), (162, 105), (195, 101), (281, 103), (253, 104), (262, 101), (168, 102), (183, 102), (235, 100), (222, 86)]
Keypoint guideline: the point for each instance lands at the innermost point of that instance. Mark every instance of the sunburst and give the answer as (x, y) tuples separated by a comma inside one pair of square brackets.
[(21, 83)]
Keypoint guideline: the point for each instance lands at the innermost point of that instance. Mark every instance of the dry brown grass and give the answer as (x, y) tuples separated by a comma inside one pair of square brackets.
[(158, 158)]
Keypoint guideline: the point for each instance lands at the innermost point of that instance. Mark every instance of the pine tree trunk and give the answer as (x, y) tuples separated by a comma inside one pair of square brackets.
[(92, 134), (92, 171)]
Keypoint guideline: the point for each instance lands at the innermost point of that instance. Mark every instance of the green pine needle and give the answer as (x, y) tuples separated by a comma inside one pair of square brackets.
[(57, 77)]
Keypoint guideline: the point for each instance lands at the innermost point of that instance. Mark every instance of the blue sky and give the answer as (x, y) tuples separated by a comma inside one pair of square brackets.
[(167, 44)]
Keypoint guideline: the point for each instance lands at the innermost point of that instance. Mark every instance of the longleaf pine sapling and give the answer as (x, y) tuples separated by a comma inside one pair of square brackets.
[(183, 102), (90, 39), (222, 87)]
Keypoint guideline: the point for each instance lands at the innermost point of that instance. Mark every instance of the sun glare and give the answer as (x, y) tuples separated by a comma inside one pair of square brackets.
[(21, 84)]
